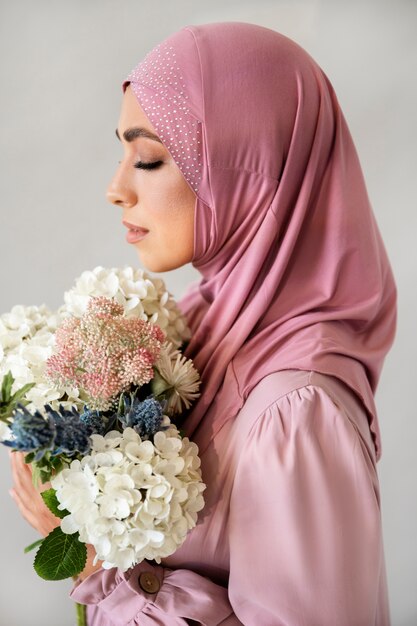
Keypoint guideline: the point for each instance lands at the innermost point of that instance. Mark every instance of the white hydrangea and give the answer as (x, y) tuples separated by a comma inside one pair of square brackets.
[(132, 499), (27, 333), (27, 339), (140, 294)]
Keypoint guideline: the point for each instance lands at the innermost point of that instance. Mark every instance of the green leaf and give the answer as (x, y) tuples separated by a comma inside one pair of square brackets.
[(6, 386), (29, 457), (8, 402), (158, 384), (22, 392), (48, 465), (60, 556), (33, 545), (51, 501), (120, 408), (45, 476)]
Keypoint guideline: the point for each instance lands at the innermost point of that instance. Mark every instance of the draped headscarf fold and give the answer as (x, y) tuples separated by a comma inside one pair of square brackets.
[(294, 272)]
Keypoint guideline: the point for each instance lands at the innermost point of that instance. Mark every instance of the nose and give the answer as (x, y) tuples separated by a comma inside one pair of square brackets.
[(119, 192)]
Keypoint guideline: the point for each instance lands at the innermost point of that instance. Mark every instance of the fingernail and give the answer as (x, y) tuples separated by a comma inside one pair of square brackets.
[(11, 492)]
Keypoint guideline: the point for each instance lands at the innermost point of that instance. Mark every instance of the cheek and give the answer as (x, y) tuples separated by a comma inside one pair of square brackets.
[(185, 231), (187, 201), (173, 212), (176, 228), (167, 205), (170, 218)]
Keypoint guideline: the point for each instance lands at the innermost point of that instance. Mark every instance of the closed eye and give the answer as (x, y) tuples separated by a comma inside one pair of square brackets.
[(147, 166)]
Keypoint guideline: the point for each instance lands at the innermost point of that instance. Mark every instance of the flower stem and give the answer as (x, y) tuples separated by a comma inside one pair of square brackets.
[(81, 614)]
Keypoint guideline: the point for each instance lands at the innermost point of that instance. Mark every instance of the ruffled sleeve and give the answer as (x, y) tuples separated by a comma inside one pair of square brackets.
[(304, 529), (181, 597)]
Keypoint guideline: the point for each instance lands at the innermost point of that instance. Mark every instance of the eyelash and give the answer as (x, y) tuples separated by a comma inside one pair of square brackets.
[(147, 166)]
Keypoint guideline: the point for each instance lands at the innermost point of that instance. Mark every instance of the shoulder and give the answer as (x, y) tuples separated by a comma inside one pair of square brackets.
[(313, 430), (305, 403)]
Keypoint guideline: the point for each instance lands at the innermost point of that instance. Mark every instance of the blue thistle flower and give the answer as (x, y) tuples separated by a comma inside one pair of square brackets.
[(143, 416), (31, 432), (72, 434), (95, 421)]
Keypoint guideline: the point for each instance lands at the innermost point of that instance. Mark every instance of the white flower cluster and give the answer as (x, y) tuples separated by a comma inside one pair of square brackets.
[(27, 339), (140, 294), (27, 333), (132, 499)]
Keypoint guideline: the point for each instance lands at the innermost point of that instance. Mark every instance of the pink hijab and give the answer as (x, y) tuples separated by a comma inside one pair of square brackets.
[(294, 271)]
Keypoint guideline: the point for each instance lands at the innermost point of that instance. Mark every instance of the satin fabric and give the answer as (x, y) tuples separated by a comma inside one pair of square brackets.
[(292, 319), (291, 532), (294, 272)]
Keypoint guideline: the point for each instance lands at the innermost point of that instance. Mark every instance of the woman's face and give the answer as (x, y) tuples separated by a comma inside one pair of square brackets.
[(158, 200)]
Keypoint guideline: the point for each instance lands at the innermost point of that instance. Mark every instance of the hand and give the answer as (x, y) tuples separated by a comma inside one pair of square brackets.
[(33, 508), (89, 567), (28, 498)]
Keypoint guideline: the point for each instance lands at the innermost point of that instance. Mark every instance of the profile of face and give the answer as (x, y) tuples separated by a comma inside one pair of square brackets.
[(152, 193)]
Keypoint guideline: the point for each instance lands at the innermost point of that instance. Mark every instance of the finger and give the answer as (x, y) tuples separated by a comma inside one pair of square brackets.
[(19, 458), (24, 485), (18, 463), (26, 513), (21, 463), (37, 521), (20, 475), (26, 466), (29, 501)]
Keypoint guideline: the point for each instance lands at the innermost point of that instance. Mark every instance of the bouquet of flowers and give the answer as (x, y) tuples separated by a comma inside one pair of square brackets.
[(90, 392)]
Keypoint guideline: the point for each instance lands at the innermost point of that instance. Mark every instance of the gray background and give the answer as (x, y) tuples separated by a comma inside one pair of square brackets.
[(61, 68)]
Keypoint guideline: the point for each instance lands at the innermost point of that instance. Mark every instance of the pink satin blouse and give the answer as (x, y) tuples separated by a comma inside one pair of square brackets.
[(291, 531)]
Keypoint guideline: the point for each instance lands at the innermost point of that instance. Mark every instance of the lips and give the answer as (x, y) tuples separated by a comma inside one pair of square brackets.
[(135, 232), (135, 227)]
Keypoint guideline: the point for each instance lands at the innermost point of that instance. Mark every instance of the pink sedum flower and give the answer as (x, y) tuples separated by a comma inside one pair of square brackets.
[(104, 353)]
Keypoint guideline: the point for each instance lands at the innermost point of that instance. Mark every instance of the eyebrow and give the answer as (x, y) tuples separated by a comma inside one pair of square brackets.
[(133, 133)]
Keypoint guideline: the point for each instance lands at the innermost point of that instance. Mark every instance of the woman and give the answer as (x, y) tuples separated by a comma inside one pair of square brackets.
[(238, 159)]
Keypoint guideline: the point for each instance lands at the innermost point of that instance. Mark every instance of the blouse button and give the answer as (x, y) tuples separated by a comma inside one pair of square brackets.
[(149, 582)]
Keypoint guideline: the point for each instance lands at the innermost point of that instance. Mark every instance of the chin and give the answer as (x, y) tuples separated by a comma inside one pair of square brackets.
[(155, 265)]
